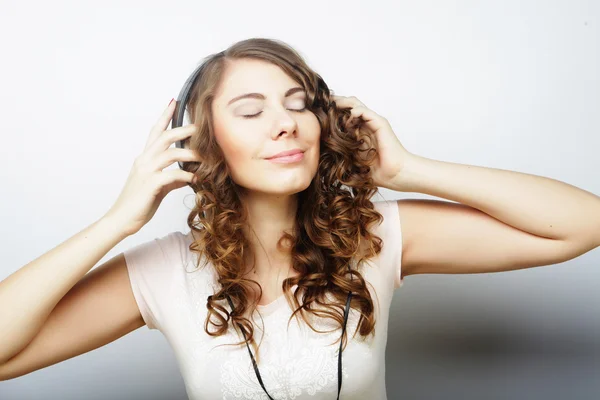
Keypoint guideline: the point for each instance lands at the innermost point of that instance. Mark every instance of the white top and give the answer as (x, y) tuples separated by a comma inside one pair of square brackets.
[(294, 364)]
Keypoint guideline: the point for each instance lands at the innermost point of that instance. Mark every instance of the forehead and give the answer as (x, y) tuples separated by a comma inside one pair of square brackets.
[(247, 75)]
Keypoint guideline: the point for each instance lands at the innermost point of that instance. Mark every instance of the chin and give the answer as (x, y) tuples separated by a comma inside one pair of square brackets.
[(282, 187)]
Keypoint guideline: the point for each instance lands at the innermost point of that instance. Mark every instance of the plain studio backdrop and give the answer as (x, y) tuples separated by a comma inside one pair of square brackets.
[(503, 84)]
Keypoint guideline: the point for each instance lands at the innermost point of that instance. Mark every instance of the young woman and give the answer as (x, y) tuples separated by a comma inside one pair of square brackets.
[(283, 237)]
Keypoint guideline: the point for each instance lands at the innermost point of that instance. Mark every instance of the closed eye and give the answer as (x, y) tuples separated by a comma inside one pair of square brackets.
[(257, 114)]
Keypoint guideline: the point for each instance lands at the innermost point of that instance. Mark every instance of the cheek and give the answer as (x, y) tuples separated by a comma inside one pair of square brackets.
[(237, 147), (237, 154)]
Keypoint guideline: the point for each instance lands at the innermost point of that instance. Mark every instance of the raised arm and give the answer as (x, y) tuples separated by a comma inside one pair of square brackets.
[(51, 310)]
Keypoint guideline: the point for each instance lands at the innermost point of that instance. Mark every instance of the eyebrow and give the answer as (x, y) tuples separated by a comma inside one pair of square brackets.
[(262, 97)]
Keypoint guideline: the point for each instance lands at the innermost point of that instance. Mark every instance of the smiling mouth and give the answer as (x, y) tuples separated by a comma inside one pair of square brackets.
[(286, 153), (287, 159)]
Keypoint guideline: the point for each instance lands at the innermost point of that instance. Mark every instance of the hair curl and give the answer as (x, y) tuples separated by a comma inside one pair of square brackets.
[(333, 214)]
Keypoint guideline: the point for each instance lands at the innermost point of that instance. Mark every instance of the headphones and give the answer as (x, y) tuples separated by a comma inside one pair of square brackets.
[(180, 104)]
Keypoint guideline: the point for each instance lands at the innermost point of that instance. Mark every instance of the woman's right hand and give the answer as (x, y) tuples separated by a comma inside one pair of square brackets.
[(147, 184)]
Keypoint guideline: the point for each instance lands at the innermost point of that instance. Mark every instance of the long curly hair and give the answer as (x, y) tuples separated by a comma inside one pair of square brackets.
[(333, 213)]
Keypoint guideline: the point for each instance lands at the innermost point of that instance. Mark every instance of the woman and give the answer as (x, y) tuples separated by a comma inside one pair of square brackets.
[(252, 298)]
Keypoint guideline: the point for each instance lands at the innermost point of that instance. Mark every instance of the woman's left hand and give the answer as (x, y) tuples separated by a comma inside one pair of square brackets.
[(391, 155)]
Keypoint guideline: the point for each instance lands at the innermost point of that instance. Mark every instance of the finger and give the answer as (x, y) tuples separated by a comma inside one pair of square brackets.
[(176, 178), (164, 141), (347, 102), (373, 121), (174, 154), (162, 123)]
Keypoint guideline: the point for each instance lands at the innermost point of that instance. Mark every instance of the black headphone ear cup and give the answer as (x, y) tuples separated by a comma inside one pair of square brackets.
[(180, 104)]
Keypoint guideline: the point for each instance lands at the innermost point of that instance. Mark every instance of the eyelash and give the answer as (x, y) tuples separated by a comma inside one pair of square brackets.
[(257, 114)]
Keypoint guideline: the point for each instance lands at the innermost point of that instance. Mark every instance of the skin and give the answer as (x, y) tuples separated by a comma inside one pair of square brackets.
[(271, 189)]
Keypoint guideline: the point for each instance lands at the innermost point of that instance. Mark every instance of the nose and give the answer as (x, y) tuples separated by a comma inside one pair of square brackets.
[(286, 124)]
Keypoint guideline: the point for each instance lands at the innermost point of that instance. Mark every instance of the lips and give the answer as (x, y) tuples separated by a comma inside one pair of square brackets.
[(286, 153)]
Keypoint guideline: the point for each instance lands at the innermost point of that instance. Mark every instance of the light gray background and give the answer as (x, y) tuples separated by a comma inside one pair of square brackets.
[(505, 84)]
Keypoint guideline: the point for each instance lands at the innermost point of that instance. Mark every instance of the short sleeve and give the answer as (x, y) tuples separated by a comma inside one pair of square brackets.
[(151, 266), (391, 234)]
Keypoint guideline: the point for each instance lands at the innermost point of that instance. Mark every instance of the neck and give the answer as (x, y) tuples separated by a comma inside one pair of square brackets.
[(268, 217)]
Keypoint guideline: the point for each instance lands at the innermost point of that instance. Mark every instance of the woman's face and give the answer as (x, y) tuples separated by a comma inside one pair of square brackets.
[(279, 125)]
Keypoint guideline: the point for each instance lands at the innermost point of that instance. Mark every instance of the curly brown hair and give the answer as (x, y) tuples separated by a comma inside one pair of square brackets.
[(333, 213)]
